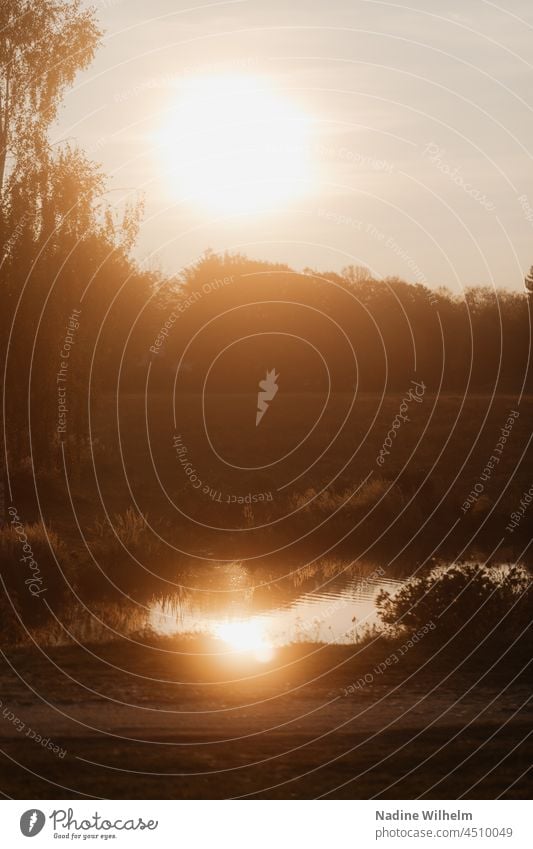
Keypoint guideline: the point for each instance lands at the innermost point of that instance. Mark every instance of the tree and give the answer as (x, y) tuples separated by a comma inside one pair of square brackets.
[(56, 233), (43, 44), (357, 274), (78, 246)]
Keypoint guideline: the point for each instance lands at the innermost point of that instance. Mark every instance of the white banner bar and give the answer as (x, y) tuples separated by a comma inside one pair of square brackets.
[(267, 824)]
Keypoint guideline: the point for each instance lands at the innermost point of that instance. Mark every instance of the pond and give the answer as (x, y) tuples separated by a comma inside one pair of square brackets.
[(255, 612)]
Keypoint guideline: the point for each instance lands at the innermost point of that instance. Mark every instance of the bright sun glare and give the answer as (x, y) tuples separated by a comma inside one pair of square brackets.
[(234, 144), (248, 637)]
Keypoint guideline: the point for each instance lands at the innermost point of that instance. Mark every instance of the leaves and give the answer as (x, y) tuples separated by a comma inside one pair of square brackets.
[(43, 45), (469, 596)]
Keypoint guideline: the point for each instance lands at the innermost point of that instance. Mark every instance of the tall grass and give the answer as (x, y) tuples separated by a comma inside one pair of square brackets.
[(355, 500), (35, 570), (126, 558)]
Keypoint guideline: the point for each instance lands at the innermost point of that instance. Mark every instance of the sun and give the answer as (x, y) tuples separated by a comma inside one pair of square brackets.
[(234, 144), (247, 637)]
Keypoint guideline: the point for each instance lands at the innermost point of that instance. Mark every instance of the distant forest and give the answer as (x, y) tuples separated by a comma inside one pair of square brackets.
[(131, 331), (374, 335)]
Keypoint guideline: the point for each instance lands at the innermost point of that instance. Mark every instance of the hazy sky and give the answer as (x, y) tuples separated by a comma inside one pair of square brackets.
[(419, 145)]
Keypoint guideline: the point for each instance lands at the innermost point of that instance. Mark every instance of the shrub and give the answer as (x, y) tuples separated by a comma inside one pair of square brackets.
[(466, 600)]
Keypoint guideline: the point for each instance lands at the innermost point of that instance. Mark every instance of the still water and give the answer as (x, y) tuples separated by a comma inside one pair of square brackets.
[(325, 603)]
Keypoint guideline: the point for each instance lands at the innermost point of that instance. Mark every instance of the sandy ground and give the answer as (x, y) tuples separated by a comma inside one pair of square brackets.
[(160, 722)]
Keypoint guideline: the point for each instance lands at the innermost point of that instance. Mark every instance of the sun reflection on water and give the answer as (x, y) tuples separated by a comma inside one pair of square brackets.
[(337, 613), (246, 636)]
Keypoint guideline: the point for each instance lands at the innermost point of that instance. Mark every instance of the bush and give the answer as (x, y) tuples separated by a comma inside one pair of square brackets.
[(467, 601)]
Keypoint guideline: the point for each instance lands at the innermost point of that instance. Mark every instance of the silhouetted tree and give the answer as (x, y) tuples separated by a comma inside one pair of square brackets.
[(58, 238)]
